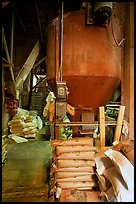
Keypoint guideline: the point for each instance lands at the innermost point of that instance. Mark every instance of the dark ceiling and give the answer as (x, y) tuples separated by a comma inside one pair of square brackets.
[(32, 17), (31, 20)]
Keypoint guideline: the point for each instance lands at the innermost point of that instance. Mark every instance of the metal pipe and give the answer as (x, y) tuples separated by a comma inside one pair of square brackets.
[(7, 54), (38, 17), (31, 85), (12, 38), (84, 124), (61, 45)]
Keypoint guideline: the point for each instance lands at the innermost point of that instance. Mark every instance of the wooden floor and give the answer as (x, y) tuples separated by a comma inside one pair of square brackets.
[(25, 174)]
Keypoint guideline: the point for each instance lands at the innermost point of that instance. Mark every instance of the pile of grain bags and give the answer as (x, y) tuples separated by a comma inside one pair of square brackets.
[(73, 164), (4, 149), (16, 125), (30, 128), (116, 177), (24, 125)]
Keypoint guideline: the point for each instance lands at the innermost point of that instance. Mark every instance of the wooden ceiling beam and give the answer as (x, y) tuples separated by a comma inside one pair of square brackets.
[(28, 65)]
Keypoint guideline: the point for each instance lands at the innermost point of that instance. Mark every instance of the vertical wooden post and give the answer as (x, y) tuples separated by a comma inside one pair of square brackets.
[(56, 133), (119, 123), (3, 105), (102, 126)]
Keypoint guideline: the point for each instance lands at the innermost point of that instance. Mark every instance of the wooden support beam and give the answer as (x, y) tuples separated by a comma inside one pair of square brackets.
[(102, 126), (39, 23), (3, 105), (7, 54), (28, 65), (12, 38), (119, 123)]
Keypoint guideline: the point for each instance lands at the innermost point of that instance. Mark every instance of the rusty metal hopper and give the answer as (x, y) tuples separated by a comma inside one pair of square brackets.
[(91, 67)]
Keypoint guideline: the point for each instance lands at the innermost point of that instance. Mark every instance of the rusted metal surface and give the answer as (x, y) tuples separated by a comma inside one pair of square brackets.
[(91, 66)]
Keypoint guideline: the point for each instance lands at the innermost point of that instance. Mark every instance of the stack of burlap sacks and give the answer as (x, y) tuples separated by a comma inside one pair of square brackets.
[(23, 126), (73, 163), (4, 149)]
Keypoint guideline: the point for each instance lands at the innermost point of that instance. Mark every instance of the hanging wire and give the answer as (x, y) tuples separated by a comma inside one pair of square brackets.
[(117, 44), (61, 45)]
